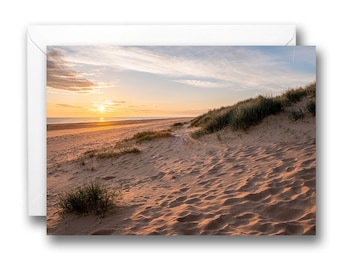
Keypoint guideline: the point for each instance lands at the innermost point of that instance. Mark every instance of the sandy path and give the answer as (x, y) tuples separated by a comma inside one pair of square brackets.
[(230, 183)]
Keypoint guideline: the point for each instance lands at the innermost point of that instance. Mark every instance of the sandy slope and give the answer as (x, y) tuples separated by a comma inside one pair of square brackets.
[(230, 183)]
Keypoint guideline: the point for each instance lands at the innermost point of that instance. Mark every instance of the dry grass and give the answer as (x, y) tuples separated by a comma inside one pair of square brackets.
[(89, 198), (150, 135), (250, 112)]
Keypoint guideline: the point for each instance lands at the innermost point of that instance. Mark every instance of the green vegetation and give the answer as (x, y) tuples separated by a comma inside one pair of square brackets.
[(247, 113), (311, 106), (90, 154), (296, 114), (251, 113), (240, 116), (110, 152), (126, 146), (295, 95), (89, 198), (178, 124), (150, 135)]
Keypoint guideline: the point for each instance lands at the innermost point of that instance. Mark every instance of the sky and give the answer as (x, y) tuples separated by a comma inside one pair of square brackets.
[(168, 81)]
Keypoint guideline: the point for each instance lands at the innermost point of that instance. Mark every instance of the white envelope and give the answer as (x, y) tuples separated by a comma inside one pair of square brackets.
[(38, 37)]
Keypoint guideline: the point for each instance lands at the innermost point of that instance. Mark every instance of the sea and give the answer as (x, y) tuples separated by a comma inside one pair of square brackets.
[(73, 120)]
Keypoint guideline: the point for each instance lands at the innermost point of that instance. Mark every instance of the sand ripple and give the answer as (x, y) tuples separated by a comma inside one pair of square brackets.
[(240, 186)]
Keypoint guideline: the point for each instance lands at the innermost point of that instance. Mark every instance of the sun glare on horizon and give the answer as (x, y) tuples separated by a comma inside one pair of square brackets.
[(101, 108)]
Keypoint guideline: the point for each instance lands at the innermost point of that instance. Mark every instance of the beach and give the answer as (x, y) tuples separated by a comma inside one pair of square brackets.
[(256, 182)]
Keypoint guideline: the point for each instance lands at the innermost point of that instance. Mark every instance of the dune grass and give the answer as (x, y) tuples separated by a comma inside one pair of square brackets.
[(150, 135), (295, 95), (296, 114), (240, 116), (250, 112), (311, 106), (178, 124), (111, 152), (89, 198), (126, 146)]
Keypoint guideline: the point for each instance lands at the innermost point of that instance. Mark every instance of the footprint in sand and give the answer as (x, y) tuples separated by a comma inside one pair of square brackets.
[(161, 197), (310, 183), (305, 174), (192, 201), (215, 224), (263, 228), (277, 170), (294, 229), (307, 162), (190, 218), (184, 189), (210, 197), (275, 191), (232, 201), (207, 183), (248, 186), (214, 169), (258, 196), (177, 201), (290, 169), (158, 176), (282, 212)]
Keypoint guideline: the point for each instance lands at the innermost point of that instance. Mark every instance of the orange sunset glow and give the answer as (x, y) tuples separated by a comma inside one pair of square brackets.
[(113, 81)]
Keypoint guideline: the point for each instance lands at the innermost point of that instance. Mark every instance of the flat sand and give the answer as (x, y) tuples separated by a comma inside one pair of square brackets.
[(259, 182)]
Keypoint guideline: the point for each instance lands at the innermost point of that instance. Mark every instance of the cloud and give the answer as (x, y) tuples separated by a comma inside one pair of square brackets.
[(202, 84), (118, 102), (235, 68), (61, 75), (69, 106)]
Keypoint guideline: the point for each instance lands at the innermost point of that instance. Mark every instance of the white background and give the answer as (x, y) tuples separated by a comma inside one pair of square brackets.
[(23, 240)]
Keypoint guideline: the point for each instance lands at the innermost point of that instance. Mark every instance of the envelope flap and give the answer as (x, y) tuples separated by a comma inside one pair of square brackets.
[(43, 36)]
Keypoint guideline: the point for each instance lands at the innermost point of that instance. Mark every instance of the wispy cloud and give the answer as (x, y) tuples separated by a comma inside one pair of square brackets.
[(201, 83), (69, 106), (170, 80), (62, 76), (236, 68)]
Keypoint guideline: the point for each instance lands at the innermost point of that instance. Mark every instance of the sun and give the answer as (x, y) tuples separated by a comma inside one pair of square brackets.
[(101, 108)]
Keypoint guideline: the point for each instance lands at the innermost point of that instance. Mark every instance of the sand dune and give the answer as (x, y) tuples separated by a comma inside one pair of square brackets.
[(261, 182)]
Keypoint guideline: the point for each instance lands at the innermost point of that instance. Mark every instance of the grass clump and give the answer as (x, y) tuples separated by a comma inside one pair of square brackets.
[(90, 153), (199, 133), (150, 135), (178, 124), (239, 117), (121, 148), (247, 113), (207, 117), (295, 95), (310, 106), (109, 153), (89, 198), (296, 114), (252, 112), (127, 146)]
